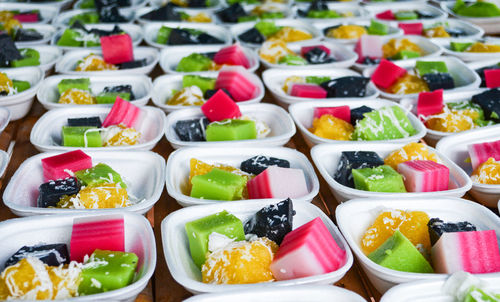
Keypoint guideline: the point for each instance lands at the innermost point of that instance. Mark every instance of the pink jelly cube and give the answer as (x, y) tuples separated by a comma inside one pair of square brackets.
[(122, 112), (424, 176), (91, 233), (475, 252), (430, 103), (58, 166), (232, 55), (412, 28), (341, 112), (386, 15), (27, 17), (308, 91), (306, 49), (479, 153), (220, 107), (236, 80), (387, 73), (277, 182), (369, 46), (117, 49), (307, 251), (492, 77)]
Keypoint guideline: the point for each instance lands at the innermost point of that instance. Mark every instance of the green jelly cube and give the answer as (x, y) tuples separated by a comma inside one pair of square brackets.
[(81, 137), (477, 9), (378, 28), (459, 46), (230, 130), (272, 15), (247, 18), (163, 34), (99, 174), (425, 67), (70, 38), (194, 62), (384, 123), (204, 83), (399, 254), (406, 54), (316, 80), (218, 185), (406, 15), (476, 294), (110, 97), (292, 60), (199, 230), (323, 14), (31, 57), (21, 86), (378, 179), (267, 28), (106, 271), (81, 83)]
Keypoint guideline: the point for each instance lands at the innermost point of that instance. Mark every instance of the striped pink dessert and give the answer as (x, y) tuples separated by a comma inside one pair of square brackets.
[(424, 176), (277, 182), (234, 80), (479, 153), (122, 112)]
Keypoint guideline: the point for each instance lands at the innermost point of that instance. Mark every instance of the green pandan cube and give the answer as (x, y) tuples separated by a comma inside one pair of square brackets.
[(230, 130), (272, 15), (218, 185), (406, 15), (163, 35), (111, 270), (292, 60), (384, 123), (81, 83), (199, 230), (99, 174), (70, 38), (81, 137), (378, 179), (378, 28), (316, 80), (477, 9), (194, 62), (323, 14), (204, 83), (399, 254), (459, 46), (267, 28), (425, 67), (110, 97), (31, 57), (21, 86), (406, 54)]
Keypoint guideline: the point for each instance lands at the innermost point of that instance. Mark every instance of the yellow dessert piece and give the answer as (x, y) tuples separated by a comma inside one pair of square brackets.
[(31, 279), (200, 17), (411, 151), (330, 127), (11, 25), (347, 32), (394, 46), (77, 96), (105, 196), (272, 51), (487, 173), (412, 224), (482, 47), (94, 63), (290, 80), (188, 96), (436, 32), (408, 84), (120, 135), (5, 83), (5, 15), (289, 34), (240, 262), (452, 120)]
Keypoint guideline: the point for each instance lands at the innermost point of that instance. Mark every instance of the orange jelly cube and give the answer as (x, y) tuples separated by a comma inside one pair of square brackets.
[(408, 84), (487, 173), (330, 127), (411, 151), (104, 196)]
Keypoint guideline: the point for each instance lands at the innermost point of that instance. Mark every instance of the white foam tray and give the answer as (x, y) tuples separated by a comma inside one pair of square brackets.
[(139, 239), (48, 94), (393, 31), (473, 56), (144, 173), (302, 114), (4, 161), (46, 133), (464, 77), (69, 61), (63, 18), (49, 55), (178, 169), (46, 30), (275, 78), (488, 24), (280, 122), (405, 6), (455, 148), (326, 158), (355, 217), (47, 12), (186, 273), (134, 4), (217, 31), (344, 57), (134, 31), (4, 121), (190, 11), (20, 103), (358, 12), (163, 86), (171, 56)]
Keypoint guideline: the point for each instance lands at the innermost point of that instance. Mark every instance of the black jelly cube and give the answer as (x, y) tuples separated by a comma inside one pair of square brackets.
[(8, 51), (439, 80), (180, 36), (345, 87), (93, 121), (191, 130), (355, 160), (232, 13), (197, 3), (318, 5), (133, 64), (52, 191), (50, 254), (358, 113), (164, 13), (273, 221), (252, 36), (205, 38), (120, 88), (318, 56), (480, 72), (102, 33), (111, 14), (438, 227), (489, 101), (23, 35), (259, 163), (210, 92)]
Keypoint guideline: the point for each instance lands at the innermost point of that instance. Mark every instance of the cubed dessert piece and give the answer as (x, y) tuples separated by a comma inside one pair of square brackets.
[(99, 174), (81, 84), (293, 60), (386, 15), (194, 62), (359, 113), (475, 252), (50, 254), (480, 152), (51, 192), (122, 112), (355, 160), (378, 179), (117, 49), (81, 137), (492, 78), (198, 232), (259, 163), (430, 103), (232, 13), (318, 55), (93, 121), (28, 17), (277, 182), (8, 50), (204, 83), (20, 86), (126, 90), (489, 101), (133, 64), (411, 151), (425, 67), (438, 227), (406, 54), (378, 28), (406, 15), (412, 28), (230, 130), (253, 36), (459, 46), (399, 254), (369, 46), (236, 80), (341, 112), (58, 166), (110, 97), (308, 91), (384, 123), (346, 87), (220, 107), (218, 185), (306, 49), (31, 57), (439, 81), (329, 127), (387, 73), (424, 176), (191, 130), (232, 55)]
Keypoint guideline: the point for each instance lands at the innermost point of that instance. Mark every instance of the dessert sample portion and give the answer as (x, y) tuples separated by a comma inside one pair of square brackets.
[(233, 55), (485, 160), (106, 12), (184, 36), (404, 15), (478, 9), (11, 56), (78, 92), (10, 86), (371, 49), (319, 9), (474, 46), (268, 31), (320, 87), (236, 13), (169, 12), (277, 52), (353, 31), (77, 35)]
